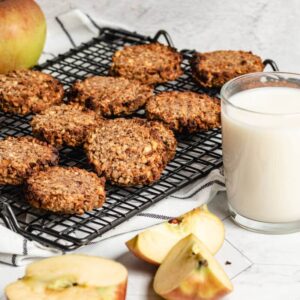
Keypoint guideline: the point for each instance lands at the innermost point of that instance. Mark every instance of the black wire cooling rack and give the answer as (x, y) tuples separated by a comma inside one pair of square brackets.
[(196, 155)]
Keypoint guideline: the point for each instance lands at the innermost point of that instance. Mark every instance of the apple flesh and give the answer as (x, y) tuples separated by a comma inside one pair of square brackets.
[(153, 244), (22, 34), (71, 277), (190, 272)]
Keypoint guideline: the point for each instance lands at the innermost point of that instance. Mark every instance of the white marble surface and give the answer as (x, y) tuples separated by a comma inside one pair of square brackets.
[(269, 28), (262, 267)]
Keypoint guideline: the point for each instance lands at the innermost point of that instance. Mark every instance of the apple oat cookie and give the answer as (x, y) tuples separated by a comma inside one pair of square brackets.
[(27, 91), (127, 151), (20, 156), (64, 124), (167, 137), (185, 111), (111, 96), (213, 69), (148, 63), (68, 190)]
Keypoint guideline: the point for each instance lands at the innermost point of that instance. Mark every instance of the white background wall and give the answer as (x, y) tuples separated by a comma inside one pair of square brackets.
[(270, 28)]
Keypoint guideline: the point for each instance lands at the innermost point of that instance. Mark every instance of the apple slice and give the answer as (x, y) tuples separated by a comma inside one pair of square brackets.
[(153, 244), (71, 277), (190, 272)]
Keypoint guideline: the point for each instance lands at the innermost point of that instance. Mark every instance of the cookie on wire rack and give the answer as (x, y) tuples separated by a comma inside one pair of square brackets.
[(111, 96), (185, 111), (148, 63), (28, 91), (21, 156), (64, 124), (129, 152), (167, 136), (67, 190), (213, 69)]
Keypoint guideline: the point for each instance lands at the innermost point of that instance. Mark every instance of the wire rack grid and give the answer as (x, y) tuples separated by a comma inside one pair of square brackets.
[(197, 155)]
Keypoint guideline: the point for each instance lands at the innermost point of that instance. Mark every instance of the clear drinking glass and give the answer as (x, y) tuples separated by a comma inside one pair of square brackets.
[(261, 150)]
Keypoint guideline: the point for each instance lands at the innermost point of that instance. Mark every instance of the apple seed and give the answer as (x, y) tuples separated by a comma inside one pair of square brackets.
[(202, 263)]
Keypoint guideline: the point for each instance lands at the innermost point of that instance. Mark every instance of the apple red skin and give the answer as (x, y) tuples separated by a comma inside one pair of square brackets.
[(22, 34), (121, 291), (198, 290), (177, 294)]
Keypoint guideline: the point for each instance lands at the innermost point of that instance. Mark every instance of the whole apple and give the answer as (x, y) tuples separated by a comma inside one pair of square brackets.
[(22, 34)]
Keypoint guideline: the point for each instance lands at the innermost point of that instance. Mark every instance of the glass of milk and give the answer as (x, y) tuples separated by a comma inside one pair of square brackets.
[(261, 150)]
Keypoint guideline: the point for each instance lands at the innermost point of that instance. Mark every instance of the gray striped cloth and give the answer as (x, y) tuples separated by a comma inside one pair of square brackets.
[(73, 28)]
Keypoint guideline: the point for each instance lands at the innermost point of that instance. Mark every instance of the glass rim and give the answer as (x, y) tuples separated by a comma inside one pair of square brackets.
[(255, 74)]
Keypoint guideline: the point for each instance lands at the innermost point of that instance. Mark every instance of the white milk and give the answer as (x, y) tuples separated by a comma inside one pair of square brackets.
[(262, 154)]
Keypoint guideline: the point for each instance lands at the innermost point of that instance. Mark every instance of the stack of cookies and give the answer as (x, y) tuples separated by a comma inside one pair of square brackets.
[(125, 151)]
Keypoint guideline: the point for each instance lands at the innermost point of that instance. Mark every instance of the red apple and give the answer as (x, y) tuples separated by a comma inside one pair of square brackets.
[(71, 277), (153, 244), (190, 272), (22, 34)]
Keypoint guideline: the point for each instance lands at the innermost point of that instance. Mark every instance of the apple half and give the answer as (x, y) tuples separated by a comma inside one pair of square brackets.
[(71, 277), (190, 272), (153, 244)]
